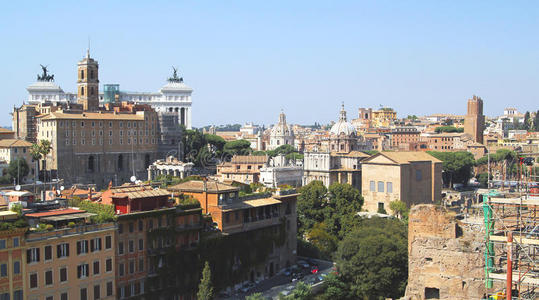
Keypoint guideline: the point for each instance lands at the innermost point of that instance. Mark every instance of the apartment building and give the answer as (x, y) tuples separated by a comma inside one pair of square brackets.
[(74, 259), (12, 258)]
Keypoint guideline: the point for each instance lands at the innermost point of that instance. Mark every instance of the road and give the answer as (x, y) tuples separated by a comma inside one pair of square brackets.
[(270, 288)]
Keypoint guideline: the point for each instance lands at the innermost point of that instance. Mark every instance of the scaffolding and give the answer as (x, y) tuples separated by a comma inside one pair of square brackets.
[(512, 244)]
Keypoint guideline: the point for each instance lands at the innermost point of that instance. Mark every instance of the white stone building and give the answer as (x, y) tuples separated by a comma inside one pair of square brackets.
[(281, 134), (281, 171), (173, 97)]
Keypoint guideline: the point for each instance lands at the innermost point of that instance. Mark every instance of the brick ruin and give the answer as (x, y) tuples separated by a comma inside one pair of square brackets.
[(445, 255)]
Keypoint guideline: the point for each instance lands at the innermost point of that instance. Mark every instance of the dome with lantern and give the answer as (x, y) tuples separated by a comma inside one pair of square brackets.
[(343, 127)]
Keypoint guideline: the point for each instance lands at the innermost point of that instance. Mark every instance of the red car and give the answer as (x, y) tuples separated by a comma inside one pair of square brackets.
[(314, 270)]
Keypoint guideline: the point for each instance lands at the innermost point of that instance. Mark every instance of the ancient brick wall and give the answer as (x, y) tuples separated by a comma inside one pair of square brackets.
[(445, 256)]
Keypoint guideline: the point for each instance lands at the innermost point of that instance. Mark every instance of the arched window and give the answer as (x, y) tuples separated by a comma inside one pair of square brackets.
[(82, 91), (120, 162), (91, 90), (81, 74), (91, 164), (91, 74)]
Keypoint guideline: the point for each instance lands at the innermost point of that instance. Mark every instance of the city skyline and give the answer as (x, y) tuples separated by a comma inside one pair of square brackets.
[(257, 59)]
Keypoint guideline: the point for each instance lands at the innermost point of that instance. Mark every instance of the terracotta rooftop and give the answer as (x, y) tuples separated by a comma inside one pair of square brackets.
[(404, 157), (55, 212), (198, 186), (137, 192), (8, 143), (5, 130), (350, 154), (249, 159)]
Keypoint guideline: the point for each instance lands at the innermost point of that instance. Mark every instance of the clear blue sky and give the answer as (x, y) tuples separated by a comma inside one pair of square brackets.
[(248, 59)]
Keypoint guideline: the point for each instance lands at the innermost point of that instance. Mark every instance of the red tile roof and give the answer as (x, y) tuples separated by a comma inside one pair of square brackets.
[(55, 212)]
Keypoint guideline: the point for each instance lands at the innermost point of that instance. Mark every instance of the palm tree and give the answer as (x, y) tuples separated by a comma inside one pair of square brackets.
[(38, 152)]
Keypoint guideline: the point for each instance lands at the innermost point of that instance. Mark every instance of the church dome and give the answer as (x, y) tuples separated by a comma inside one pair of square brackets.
[(342, 126), (281, 129)]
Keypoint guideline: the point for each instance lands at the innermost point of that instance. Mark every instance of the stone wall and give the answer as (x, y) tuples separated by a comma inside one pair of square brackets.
[(445, 255)]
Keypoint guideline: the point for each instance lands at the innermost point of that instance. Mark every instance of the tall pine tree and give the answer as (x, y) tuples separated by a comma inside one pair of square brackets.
[(205, 289)]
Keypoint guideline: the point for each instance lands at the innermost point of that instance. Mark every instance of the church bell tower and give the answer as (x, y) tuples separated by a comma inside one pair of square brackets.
[(88, 83)]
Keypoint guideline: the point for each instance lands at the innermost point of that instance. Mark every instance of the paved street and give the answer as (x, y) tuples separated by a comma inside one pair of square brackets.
[(271, 287)]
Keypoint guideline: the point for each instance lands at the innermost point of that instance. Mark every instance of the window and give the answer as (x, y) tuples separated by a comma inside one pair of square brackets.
[(3, 270), (16, 242), (95, 244), (83, 294), (62, 250), (131, 227), (131, 246), (82, 271), (63, 274), (48, 277), (120, 228), (17, 295), (96, 267), (63, 296), (418, 175), (390, 187), (121, 269), (141, 264), (4, 296), (109, 288), (82, 247), (121, 248), (131, 266), (108, 242), (3, 244), (49, 298), (33, 281), (108, 265), (380, 206), (372, 187), (97, 292), (32, 255), (48, 253), (82, 90), (16, 267), (140, 225), (140, 244), (380, 186)]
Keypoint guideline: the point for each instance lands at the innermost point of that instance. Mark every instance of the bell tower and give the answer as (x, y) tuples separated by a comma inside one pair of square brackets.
[(88, 83)]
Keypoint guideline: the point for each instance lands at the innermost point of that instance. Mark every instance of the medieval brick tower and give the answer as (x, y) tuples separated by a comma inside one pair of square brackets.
[(88, 83), (474, 121)]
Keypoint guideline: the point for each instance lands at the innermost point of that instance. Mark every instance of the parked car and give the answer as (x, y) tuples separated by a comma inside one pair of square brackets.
[(314, 270), (303, 264)]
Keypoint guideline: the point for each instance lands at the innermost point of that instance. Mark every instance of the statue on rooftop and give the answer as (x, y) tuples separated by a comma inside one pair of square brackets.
[(45, 76), (175, 77)]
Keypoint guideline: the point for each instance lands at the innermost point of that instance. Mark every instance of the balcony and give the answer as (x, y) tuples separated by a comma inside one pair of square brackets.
[(253, 224)]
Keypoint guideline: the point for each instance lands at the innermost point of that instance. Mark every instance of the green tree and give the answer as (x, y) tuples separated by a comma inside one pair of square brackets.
[(344, 202), (372, 259), (18, 168), (323, 240), (255, 296), (217, 142), (38, 152), (483, 179), (334, 288), (456, 166), (302, 291), (311, 205), (448, 129), (239, 147), (536, 121), (205, 288), (399, 209), (527, 121)]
